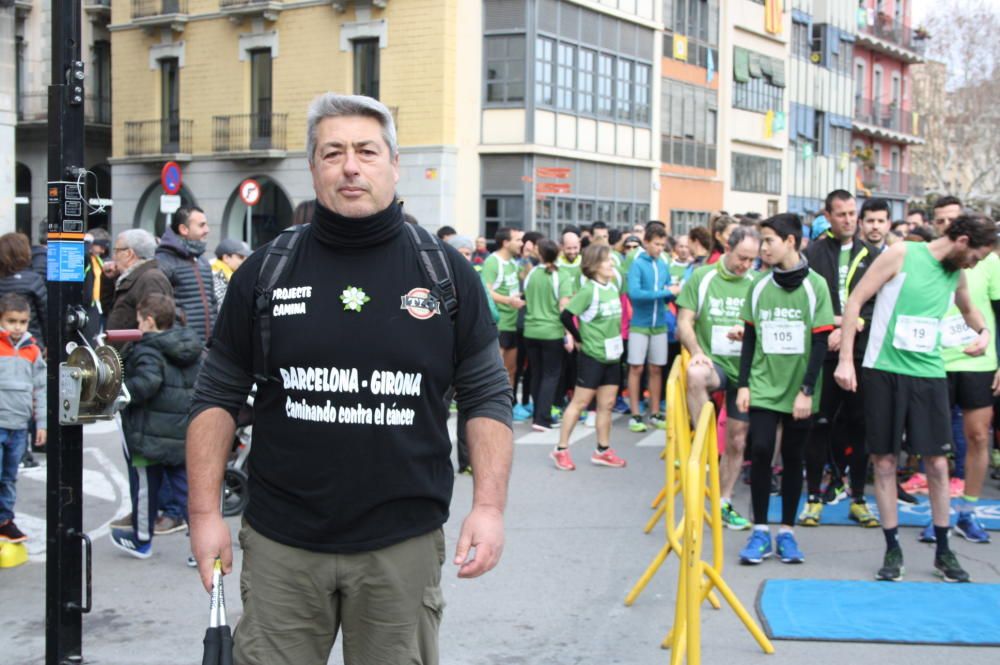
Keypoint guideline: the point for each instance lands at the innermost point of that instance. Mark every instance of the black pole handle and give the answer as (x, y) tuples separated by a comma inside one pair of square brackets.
[(89, 576)]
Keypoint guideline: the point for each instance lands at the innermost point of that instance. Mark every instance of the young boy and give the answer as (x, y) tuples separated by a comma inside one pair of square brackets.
[(788, 319), (160, 373), (22, 388)]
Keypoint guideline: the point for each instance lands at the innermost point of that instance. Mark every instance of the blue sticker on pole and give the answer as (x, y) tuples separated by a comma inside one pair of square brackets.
[(65, 261)]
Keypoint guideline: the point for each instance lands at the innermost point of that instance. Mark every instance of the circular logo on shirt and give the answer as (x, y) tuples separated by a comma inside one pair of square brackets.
[(420, 304)]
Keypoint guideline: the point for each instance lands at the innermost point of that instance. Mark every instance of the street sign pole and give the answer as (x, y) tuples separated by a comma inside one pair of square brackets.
[(248, 225), (67, 209)]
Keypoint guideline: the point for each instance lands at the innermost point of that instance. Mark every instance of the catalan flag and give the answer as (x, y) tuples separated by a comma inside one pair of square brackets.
[(772, 16)]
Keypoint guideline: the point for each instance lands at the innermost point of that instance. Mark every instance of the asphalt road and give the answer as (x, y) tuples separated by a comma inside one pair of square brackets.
[(574, 548)]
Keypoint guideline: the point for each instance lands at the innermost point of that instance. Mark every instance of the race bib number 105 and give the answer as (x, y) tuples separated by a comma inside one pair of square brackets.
[(783, 338)]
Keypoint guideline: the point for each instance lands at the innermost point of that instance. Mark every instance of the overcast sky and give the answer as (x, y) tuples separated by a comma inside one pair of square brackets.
[(919, 11)]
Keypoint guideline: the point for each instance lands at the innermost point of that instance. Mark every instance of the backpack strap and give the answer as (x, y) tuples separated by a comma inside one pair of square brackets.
[(434, 263), (279, 255)]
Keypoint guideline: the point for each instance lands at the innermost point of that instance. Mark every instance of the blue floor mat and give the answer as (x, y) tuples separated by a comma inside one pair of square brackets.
[(919, 515), (904, 612)]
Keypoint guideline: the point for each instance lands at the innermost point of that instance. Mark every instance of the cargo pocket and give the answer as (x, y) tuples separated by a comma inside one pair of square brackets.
[(430, 622)]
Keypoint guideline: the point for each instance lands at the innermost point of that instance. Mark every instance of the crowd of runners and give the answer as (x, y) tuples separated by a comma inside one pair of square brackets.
[(848, 349)]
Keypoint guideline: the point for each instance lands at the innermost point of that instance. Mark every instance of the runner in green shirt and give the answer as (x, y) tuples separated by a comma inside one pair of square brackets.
[(598, 307), (569, 264), (904, 373), (788, 319), (682, 259), (708, 325), (499, 274)]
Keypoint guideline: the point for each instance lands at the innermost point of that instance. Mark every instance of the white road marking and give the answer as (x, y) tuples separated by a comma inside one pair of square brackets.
[(655, 438)]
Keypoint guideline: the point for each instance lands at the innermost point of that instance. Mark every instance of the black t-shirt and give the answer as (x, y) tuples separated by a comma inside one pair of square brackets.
[(350, 447)]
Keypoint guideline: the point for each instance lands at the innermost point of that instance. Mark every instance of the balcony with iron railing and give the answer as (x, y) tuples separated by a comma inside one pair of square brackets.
[(894, 184), (153, 139), (888, 30), (237, 9), (889, 117), (250, 134), (153, 13)]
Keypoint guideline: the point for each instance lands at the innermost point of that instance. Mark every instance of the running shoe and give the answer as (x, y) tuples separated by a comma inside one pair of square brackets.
[(862, 514), (125, 540), (658, 421), (541, 427), (788, 549), (927, 535), (621, 405), (949, 569), (166, 525), (122, 522), (956, 487), (521, 414), (556, 414), (562, 459), (591, 419), (465, 471), (732, 519), (607, 458), (635, 424), (968, 527), (834, 493), (9, 533), (530, 407), (812, 513), (916, 484), (757, 549), (903, 496), (892, 566)]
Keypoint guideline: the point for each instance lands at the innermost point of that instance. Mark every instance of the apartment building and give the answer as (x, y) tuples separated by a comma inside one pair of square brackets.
[(885, 125), (755, 105), (32, 74), (822, 103)]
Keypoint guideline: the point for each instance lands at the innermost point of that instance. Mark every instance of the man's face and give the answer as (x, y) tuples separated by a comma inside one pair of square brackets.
[(741, 259), (15, 323), (515, 243), (528, 249), (196, 228), (600, 236), (944, 216), (682, 248), (914, 220), (466, 252), (843, 218), (480, 244), (638, 229), (875, 226), (656, 246), (772, 248), (353, 173), (962, 256), (571, 246), (122, 254)]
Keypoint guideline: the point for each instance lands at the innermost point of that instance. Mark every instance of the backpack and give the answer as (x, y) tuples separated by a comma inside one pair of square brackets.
[(281, 252)]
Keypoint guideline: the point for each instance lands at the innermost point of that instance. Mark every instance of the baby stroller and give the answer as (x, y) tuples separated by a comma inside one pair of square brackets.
[(236, 482)]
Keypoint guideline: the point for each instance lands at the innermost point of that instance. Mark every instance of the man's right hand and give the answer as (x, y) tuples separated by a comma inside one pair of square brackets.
[(516, 302), (211, 540), (845, 376)]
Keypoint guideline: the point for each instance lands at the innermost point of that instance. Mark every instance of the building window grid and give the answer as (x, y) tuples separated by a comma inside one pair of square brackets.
[(755, 174), (544, 70), (802, 42), (689, 122), (698, 21), (504, 69), (565, 67), (682, 221), (758, 94)]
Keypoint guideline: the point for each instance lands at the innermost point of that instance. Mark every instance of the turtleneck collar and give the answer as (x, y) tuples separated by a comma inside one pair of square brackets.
[(791, 279), (725, 273), (341, 232)]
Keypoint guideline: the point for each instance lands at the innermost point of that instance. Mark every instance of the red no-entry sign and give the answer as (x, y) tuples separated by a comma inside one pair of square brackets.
[(250, 192)]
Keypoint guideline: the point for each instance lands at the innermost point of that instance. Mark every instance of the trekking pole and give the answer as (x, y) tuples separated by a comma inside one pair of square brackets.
[(218, 637)]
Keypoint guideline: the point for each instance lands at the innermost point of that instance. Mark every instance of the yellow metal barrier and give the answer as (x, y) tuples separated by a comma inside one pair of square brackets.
[(692, 589)]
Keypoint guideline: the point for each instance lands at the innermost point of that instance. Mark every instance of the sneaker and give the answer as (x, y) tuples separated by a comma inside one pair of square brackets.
[(968, 527), (788, 549), (521, 414), (635, 424), (591, 419), (658, 421), (607, 458), (122, 523), (530, 408), (757, 549), (927, 535), (541, 427), (465, 470), (9, 533), (949, 569), (732, 519), (166, 525), (28, 461), (812, 513), (916, 484), (126, 541), (892, 566), (834, 493), (556, 414), (902, 496), (562, 459), (956, 487), (192, 562), (862, 514), (621, 405)]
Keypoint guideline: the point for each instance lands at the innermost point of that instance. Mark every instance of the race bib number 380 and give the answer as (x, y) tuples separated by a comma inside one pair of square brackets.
[(916, 333), (955, 332), (783, 338)]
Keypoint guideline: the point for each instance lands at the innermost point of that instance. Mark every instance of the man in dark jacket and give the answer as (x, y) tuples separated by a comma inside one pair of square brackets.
[(136, 276), (160, 370), (180, 258), (841, 258)]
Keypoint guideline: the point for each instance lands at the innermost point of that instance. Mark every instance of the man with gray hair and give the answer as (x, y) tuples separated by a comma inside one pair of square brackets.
[(350, 470), (708, 325), (136, 276)]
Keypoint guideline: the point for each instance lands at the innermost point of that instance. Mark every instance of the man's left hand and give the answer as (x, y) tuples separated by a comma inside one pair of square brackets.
[(978, 346), (41, 436), (482, 530)]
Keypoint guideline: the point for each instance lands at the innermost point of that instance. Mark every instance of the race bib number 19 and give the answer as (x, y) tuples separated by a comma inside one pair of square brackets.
[(916, 333), (783, 338)]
